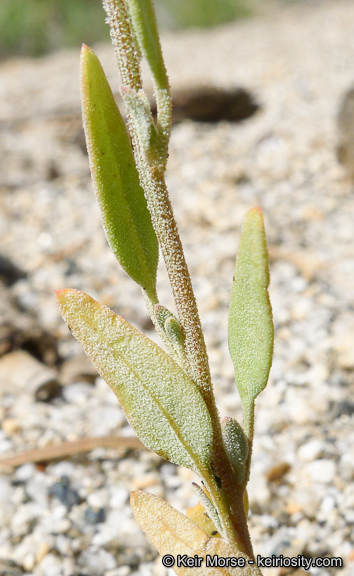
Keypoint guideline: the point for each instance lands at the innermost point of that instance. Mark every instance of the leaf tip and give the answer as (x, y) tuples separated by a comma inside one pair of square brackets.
[(60, 294), (255, 213), (64, 295), (140, 499), (135, 496), (85, 49)]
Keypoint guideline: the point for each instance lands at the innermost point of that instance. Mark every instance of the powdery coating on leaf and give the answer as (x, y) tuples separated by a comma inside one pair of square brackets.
[(161, 403), (251, 331), (173, 533), (125, 216), (236, 445)]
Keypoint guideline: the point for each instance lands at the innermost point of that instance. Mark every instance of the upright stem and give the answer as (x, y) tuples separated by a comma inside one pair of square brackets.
[(150, 151), (198, 367), (124, 43)]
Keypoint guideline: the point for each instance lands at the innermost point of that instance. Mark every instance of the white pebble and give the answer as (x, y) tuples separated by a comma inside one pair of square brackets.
[(312, 450), (77, 393), (98, 561), (105, 535), (106, 419), (24, 517), (119, 497), (63, 545), (37, 490), (25, 472), (64, 468), (322, 471), (327, 505), (98, 499), (50, 566)]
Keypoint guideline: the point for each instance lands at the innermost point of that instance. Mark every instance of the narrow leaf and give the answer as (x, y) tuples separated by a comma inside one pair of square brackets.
[(125, 216), (208, 506), (161, 403), (173, 533), (145, 28), (251, 330)]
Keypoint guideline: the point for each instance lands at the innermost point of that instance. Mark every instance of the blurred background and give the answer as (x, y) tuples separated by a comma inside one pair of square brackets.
[(35, 27)]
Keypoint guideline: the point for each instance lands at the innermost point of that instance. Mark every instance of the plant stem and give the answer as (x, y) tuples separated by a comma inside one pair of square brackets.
[(124, 43), (248, 426), (150, 151), (167, 232)]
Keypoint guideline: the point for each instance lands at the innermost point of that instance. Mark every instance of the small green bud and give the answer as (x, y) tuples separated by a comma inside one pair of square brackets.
[(169, 325), (173, 331)]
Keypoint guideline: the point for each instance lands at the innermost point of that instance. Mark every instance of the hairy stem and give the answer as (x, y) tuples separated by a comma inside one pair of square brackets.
[(150, 152), (198, 367)]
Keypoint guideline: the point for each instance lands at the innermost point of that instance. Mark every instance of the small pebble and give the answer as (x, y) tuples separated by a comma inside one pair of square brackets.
[(77, 393), (322, 471), (311, 450), (97, 561), (94, 516), (98, 499), (50, 566), (10, 426), (66, 495), (119, 496)]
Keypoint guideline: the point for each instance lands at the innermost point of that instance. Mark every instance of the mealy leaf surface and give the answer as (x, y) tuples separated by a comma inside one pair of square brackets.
[(251, 331), (173, 533), (162, 404)]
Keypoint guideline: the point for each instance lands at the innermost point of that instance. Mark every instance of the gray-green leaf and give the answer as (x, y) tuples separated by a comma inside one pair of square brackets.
[(162, 404), (125, 216), (237, 448), (251, 331)]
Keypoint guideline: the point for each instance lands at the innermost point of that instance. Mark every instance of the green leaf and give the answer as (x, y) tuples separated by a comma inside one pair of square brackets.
[(161, 403), (251, 331), (145, 28), (237, 448), (125, 216), (169, 324)]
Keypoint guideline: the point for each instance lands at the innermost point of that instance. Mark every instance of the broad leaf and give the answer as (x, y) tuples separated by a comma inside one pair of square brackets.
[(251, 331), (161, 403), (173, 533), (125, 216)]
